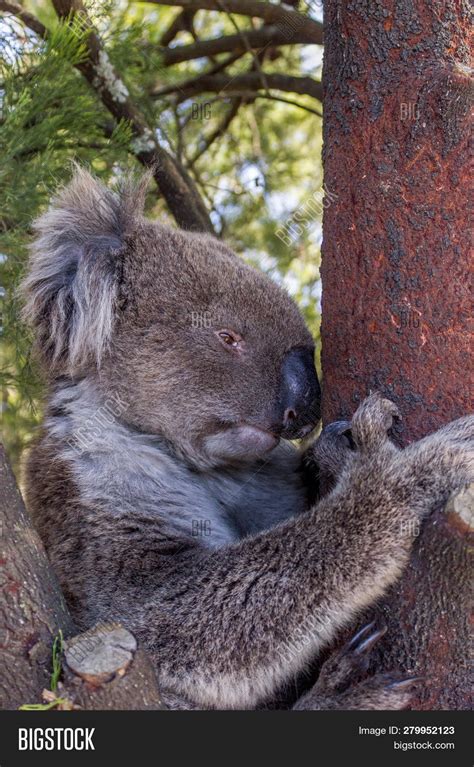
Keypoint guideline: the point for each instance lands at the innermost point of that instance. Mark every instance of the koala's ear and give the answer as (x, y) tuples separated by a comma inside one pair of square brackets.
[(72, 283)]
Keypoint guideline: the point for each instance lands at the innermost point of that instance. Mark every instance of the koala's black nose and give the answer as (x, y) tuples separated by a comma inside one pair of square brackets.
[(300, 398)]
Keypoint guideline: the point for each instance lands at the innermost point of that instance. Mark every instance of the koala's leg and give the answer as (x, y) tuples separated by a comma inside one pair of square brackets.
[(227, 627), (343, 685)]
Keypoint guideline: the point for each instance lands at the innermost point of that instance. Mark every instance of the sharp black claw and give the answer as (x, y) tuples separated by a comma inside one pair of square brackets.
[(403, 684), (368, 643), (337, 427), (361, 633)]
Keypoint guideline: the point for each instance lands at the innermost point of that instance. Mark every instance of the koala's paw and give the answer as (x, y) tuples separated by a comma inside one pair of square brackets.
[(372, 421), (342, 684), (331, 452)]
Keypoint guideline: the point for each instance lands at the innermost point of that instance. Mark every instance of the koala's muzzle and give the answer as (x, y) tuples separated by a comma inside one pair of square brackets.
[(300, 394)]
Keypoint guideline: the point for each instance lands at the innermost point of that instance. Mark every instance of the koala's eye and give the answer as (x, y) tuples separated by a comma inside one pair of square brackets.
[(230, 339)]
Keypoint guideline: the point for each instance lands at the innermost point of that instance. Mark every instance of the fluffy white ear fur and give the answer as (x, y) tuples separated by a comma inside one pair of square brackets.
[(72, 282)]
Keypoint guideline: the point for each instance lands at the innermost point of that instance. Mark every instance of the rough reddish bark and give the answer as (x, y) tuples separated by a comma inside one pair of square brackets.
[(395, 279)]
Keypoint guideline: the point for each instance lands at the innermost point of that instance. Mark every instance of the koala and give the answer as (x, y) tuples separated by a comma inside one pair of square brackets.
[(165, 481)]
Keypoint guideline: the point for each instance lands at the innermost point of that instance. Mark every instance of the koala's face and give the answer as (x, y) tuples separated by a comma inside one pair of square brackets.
[(207, 351), (203, 349)]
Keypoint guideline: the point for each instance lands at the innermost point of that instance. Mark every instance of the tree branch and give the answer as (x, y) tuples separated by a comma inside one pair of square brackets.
[(219, 131), (177, 187), (168, 89), (251, 95), (291, 20), (249, 81), (28, 19), (183, 21), (256, 38), (258, 57)]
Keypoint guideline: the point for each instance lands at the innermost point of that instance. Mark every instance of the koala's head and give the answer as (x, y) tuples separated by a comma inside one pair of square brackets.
[(205, 351)]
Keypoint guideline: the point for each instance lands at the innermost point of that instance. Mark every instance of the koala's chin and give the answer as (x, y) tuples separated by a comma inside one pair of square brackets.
[(241, 443)]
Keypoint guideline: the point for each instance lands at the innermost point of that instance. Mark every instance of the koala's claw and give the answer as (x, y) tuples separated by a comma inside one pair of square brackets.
[(404, 684), (360, 635), (349, 663), (337, 429), (368, 642), (371, 422)]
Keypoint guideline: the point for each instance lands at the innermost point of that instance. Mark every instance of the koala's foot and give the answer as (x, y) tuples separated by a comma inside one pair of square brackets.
[(341, 683)]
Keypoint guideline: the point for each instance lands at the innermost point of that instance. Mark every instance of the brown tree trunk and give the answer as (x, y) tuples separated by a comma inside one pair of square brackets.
[(394, 272), (32, 608)]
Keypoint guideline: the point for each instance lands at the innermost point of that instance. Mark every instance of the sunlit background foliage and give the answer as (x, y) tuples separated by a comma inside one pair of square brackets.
[(253, 178)]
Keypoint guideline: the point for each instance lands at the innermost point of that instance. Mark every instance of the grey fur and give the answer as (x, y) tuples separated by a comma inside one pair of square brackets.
[(169, 511), (72, 284)]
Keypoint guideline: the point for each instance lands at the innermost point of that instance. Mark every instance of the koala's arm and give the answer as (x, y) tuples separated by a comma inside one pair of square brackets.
[(227, 627)]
